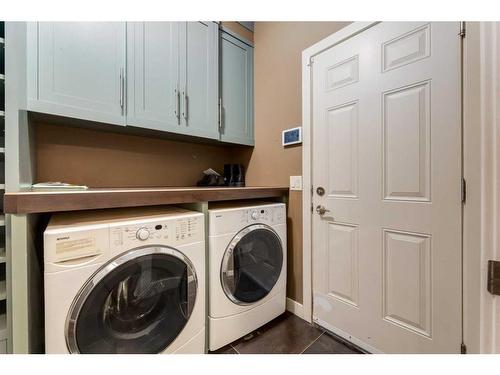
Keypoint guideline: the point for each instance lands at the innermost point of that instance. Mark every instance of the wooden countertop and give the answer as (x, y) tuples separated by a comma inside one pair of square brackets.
[(25, 202)]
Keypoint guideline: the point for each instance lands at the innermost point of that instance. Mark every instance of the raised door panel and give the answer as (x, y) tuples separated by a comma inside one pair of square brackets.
[(79, 70), (343, 150), (407, 281), (343, 262), (236, 91), (406, 140), (153, 75), (199, 79)]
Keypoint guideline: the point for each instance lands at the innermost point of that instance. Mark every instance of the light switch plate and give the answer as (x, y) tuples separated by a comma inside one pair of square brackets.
[(295, 182)]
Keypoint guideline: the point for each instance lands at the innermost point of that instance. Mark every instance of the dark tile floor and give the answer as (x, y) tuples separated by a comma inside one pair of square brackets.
[(288, 334)]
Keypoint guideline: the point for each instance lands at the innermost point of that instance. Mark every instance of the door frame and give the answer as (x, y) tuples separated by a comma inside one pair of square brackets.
[(478, 171)]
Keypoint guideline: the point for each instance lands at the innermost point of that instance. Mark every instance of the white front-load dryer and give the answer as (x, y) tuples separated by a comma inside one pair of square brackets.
[(247, 269), (125, 281)]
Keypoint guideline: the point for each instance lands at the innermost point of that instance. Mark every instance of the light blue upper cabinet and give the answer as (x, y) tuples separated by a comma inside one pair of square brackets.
[(172, 77), (153, 99), (77, 69), (199, 78), (236, 91)]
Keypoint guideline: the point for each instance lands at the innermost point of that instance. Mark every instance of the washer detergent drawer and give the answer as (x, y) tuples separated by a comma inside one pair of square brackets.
[(69, 249)]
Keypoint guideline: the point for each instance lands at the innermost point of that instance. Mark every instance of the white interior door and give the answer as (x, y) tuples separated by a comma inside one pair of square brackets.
[(387, 152)]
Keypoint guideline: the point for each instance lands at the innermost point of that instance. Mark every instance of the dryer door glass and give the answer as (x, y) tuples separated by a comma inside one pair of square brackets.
[(252, 264), (137, 303)]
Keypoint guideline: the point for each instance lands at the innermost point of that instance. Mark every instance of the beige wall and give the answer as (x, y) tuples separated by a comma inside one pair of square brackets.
[(104, 159), (278, 103)]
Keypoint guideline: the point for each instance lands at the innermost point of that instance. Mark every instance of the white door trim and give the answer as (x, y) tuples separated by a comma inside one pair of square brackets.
[(481, 158), (481, 170)]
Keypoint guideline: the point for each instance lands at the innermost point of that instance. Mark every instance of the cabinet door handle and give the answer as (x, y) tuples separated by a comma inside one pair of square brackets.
[(122, 90), (177, 104), (220, 115), (185, 108)]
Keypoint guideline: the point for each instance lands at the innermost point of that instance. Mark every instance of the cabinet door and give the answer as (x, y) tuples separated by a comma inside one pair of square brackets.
[(199, 79), (153, 75), (236, 91), (78, 70)]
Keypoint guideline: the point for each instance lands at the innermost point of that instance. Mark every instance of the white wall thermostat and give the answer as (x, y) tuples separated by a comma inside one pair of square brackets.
[(292, 136)]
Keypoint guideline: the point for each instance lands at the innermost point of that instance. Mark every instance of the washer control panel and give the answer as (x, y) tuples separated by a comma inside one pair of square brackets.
[(170, 231)]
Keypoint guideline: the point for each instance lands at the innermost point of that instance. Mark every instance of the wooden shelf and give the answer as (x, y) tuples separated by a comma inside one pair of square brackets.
[(3, 257), (2, 220), (53, 201)]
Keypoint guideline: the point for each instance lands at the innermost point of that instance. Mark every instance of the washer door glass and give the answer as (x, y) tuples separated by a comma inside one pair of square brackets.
[(252, 264), (137, 303)]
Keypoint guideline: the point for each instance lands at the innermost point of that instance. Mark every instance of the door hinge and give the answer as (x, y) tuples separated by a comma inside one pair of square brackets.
[(312, 208), (312, 190), (463, 349), (493, 282), (464, 190), (462, 30)]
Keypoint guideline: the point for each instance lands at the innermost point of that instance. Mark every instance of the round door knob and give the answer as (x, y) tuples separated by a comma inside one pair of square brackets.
[(142, 234), (255, 215)]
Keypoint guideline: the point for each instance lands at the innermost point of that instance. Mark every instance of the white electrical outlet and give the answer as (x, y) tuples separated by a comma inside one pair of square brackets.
[(295, 182)]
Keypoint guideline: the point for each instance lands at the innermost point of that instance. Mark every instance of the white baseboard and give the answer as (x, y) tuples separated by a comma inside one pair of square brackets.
[(295, 308)]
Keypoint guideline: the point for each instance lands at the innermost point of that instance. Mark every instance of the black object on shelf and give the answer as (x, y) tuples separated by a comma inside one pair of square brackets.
[(234, 175), (211, 180)]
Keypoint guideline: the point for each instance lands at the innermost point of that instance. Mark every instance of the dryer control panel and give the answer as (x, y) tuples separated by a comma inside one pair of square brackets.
[(169, 232), (228, 221)]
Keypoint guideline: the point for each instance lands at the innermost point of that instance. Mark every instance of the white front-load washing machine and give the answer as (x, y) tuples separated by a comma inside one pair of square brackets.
[(247, 268), (125, 281)]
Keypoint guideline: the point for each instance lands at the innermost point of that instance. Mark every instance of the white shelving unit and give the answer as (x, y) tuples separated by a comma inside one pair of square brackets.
[(3, 327), (4, 331), (3, 290)]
